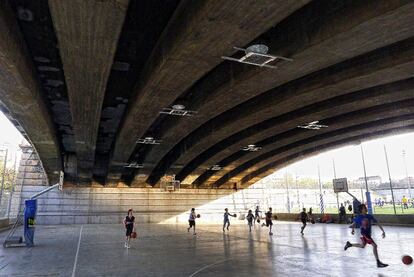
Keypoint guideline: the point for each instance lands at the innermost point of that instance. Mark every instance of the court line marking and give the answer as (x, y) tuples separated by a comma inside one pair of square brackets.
[(207, 266), (77, 252)]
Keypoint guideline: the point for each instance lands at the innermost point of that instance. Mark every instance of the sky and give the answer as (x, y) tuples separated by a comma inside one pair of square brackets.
[(348, 161), (10, 138)]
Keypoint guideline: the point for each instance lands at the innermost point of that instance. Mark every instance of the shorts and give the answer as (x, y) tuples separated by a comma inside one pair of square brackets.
[(191, 222), (250, 222), (128, 231), (269, 222), (367, 240)]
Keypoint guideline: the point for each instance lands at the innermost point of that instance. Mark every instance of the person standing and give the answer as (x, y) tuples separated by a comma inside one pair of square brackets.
[(365, 220), (250, 218), (129, 223), (191, 221), (342, 214), (304, 218), (405, 202), (226, 220)]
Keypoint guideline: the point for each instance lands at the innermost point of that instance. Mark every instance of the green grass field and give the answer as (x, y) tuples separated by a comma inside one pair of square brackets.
[(387, 209)]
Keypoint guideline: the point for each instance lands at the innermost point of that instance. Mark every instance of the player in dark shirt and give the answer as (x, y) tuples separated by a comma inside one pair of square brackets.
[(257, 213), (269, 222), (226, 220), (364, 222), (303, 217), (250, 218), (129, 223)]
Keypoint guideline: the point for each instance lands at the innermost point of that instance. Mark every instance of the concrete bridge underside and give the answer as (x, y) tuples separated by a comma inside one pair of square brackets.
[(83, 81)]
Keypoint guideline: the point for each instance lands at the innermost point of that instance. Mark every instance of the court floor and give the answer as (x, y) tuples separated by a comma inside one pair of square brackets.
[(168, 250)]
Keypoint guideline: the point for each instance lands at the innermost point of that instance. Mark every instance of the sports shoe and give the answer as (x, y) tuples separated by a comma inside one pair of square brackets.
[(270, 233), (125, 245), (195, 234), (128, 246), (347, 245), (380, 264)]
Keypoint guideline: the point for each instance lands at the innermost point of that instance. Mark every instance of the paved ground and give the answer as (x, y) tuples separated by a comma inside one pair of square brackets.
[(168, 250)]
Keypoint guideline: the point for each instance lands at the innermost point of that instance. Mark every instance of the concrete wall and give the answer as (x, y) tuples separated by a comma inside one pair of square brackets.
[(109, 205)]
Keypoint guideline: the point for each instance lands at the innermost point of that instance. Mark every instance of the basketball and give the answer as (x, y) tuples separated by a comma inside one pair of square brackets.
[(312, 221), (198, 216), (258, 221), (275, 217), (133, 235), (235, 215), (406, 259)]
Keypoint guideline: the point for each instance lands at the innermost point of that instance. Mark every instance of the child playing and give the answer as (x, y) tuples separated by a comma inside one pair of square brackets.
[(129, 223), (269, 222), (303, 217), (226, 219), (250, 218), (257, 213), (191, 221), (365, 220)]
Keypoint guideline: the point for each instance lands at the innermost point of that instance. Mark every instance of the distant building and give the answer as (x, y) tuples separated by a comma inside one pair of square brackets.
[(373, 181)]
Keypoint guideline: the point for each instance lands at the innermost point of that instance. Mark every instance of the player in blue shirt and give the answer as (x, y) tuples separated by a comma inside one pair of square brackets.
[(364, 222)]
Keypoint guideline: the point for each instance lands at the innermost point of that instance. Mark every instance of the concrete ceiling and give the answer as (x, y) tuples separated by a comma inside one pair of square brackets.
[(85, 81)]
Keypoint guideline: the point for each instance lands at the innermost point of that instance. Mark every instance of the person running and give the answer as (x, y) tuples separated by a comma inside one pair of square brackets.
[(129, 223), (250, 218), (303, 217), (226, 219), (257, 213), (269, 223), (365, 220), (191, 221)]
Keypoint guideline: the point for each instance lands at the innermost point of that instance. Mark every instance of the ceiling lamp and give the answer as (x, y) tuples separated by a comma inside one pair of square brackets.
[(134, 165), (313, 126), (257, 55), (215, 167), (252, 148), (148, 140), (177, 110)]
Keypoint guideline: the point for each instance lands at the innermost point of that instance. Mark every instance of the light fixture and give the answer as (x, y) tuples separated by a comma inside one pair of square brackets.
[(252, 148), (178, 107), (215, 167), (177, 110), (256, 55), (148, 140), (134, 165), (313, 126)]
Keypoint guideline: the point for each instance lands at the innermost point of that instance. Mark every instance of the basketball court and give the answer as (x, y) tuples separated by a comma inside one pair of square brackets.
[(168, 250)]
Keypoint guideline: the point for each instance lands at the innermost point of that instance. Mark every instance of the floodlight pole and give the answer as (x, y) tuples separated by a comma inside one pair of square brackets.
[(287, 191), (367, 193), (297, 188), (406, 173), (389, 176), (334, 171), (320, 192)]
